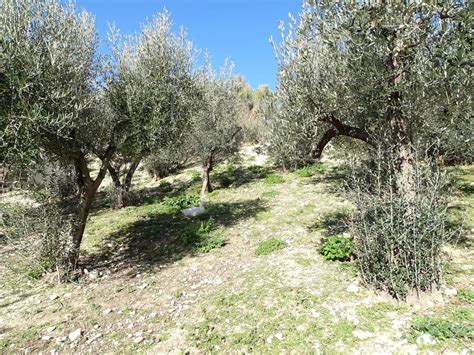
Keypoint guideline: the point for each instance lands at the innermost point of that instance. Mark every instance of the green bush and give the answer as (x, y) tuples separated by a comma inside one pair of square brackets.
[(311, 170), (442, 329), (338, 248), (200, 237), (165, 186), (273, 179), (269, 246), (399, 238), (181, 201)]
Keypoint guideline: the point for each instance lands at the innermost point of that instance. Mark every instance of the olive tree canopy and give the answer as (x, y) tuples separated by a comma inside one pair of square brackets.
[(380, 72)]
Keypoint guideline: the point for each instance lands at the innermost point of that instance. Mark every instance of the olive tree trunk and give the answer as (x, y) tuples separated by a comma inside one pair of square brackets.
[(206, 179), (122, 189)]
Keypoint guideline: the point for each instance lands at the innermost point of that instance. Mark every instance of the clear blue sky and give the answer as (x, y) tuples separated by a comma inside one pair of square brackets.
[(239, 29)]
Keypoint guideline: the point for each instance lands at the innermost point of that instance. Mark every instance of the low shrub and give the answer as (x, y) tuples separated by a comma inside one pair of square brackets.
[(273, 179), (269, 246), (466, 295), (442, 329), (165, 186), (337, 248), (181, 201), (399, 238)]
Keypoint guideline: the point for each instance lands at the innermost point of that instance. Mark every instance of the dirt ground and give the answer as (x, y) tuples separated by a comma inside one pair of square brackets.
[(142, 292)]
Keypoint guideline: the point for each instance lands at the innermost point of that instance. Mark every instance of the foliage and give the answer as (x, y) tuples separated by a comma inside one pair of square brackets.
[(442, 329), (311, 170), (273, 179), (268, 246), (337, 248), (199, 236), (399, 239), (351, 68), (466, 295), (181, 201)]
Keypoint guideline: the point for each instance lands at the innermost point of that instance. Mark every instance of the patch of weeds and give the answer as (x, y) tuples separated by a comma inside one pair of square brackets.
[(337, 248), (466, 188), (273, 179), (269, 194), (165, 186), (333, 221), (311, 170), (163, 337), (441, 329), (181, 201), (195, 175), (204, 336), (269, 246), (199, 237), (258, 171), (248, 339), (348, 267), (466, 295), (178, 294)]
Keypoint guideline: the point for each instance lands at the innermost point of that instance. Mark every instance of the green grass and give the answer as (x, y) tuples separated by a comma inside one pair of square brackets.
[(269, 246), (273, 179), (311, 170), (466, 295)]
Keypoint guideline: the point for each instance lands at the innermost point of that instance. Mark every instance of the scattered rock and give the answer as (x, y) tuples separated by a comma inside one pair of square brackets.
[(143, 286), (107, 311), (362, 334), (138, 340), (53, 297), (353, 319), (353, 288), (73, 336), (61, 339), (51, 329), (425, 339), (315, 314), (450, 291), (46, 338), (269, 339), (94, 338), (279, 336)]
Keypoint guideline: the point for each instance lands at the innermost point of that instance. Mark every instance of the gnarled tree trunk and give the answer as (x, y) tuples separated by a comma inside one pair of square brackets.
[(206, 179), (122, 189)]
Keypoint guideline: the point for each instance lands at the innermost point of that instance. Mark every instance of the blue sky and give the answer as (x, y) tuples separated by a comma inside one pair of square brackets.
[(239, 29)]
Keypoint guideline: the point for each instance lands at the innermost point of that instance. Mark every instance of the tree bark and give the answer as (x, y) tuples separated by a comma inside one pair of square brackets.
[(87, 189), (206, 179), (122, 190), (339, 129)]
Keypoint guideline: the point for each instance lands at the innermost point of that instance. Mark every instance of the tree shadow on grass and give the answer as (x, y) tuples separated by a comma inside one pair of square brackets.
[(332, 222), (239, 176), (158, 238)]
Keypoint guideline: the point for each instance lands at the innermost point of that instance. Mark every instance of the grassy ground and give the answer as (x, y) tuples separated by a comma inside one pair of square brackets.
[(244, 277)]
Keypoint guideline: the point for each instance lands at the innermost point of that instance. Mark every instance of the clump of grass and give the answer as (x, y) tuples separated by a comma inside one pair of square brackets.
[(466, 295), (269, 194), (200, 238), (269, 246), (181, 201), (195, 175), (204, 336), (258, 170), (338, 248), (442, 329), (273, 179), (311, 170)]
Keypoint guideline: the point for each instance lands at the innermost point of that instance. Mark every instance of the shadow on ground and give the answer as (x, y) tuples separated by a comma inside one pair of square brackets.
[(158, 238), (332, 223)]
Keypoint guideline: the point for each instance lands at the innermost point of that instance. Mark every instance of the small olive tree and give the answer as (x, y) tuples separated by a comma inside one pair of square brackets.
[(51, 106), (152, 93), (215, 132)]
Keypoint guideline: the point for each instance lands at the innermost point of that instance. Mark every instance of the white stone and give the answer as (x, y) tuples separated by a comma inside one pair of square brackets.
[(279, 336), (425, 339), (450, 291), (353, 288), (73, 336), (107, 311), (315, 314), (61, 339), (53, 297), (362, 334), (46, 338), (138, 340), (51, 329), (94, 338)]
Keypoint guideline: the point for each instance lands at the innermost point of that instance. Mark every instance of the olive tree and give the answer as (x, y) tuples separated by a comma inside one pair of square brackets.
[(214, 132), (151, 94), (392, 73), (51, 106)]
